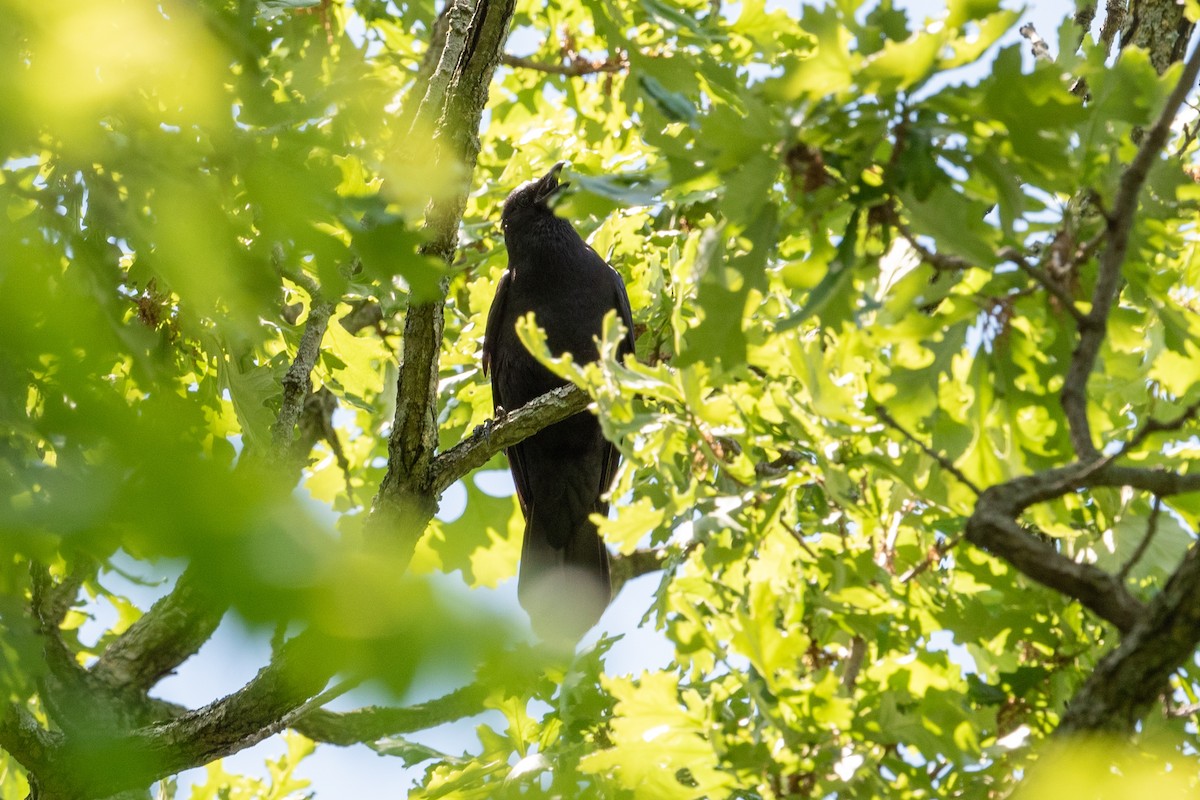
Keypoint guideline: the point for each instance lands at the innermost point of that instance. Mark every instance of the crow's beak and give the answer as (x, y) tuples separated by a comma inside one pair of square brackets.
[(549, 184)]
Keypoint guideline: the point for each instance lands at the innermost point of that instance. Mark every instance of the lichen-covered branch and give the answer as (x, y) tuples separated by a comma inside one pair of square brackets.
[(169, 633), (374, 722), (406, 500), (499, 434), (83, 766), (297, 381), (1127, 681)]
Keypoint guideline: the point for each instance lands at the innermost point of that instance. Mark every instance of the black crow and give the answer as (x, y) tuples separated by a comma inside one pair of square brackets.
[(563, 471)]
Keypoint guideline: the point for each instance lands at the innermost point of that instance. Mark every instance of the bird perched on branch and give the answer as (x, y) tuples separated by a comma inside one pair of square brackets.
[(563, 471)]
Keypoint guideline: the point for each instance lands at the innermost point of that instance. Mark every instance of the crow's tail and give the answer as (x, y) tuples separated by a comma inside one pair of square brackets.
[(563, 589)]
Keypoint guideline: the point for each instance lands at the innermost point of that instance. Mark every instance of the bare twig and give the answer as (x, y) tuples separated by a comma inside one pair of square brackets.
[(945, 462), (939, 261), (931, 558), (1151, 529), (1154, 426), (1049, 284), (1094, 326)]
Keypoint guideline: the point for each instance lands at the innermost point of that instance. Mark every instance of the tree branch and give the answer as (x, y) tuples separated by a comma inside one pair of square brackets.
[(625, 568), (1154, 426), (297, 381), (1151, 529), (503, 432), (995, 529), (572, 67), (1127, 681), (945, 462), (114, 759), (24, 739), (169, 633), (1037, 45), (405, 501), (1094, 327), (374, 722)]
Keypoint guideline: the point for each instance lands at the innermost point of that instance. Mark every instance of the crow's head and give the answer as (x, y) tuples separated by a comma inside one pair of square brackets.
[(531, 200)]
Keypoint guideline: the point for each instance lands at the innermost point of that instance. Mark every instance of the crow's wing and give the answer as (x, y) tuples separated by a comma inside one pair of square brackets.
[(491, 332), (491, 340), (622, 303)]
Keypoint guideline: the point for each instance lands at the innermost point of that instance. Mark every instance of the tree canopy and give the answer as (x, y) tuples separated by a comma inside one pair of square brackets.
[(917, 370)]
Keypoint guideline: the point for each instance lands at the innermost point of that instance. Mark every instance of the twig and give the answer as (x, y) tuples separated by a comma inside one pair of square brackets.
[(1184, 711), (1049, 284), (853, 663), (945, 462), (939, 261), (1151, 529), (940, 549), (786, 460), (1153, 426), (573, 67), (1094, 326)]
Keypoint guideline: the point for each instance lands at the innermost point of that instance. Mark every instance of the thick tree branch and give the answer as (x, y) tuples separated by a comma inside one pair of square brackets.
[(994, 529), (169, 633), (1094, 327), (502, 433), (24, 739), (1127, 681), (114, 759), (406, 501)]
